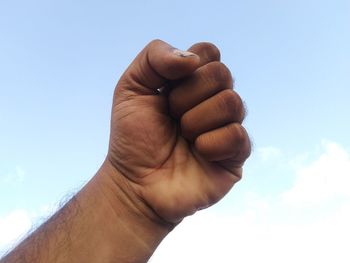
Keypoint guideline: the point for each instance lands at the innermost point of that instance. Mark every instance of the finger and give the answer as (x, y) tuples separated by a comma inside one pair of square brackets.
[(157, 63), (223, 108), (230, 142), (207, 52), (202, 84)]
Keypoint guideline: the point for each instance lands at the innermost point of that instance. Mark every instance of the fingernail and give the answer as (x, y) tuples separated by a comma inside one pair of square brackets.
[(183, 54)]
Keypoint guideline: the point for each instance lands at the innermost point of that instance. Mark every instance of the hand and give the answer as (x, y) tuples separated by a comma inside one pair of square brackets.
[(176, 135), (176, 146)]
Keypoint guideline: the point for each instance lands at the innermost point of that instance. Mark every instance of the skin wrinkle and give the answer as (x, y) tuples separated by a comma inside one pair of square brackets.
[(233, 172), (183, 89), (146, 142), (124, 225), (217, 74), (139, 197), (166, 159), (153, 169), (192, 127), (225, 105)]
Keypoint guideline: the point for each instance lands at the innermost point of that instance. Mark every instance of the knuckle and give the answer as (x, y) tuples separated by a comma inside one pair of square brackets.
[(155, 47), (218, 72), (155, 42), (211, 51), (225, 101), (230, 103), (242, 141), (208, 51), (239, 134)]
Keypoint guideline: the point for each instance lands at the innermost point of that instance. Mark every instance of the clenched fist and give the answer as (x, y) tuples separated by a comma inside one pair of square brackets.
[(176, 146), (176, 136)]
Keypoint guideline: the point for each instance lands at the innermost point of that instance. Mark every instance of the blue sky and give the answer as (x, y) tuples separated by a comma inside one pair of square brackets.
[(60, 61)]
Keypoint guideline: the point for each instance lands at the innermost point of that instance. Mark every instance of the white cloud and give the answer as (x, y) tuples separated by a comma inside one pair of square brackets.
[(248, 239), (269, 153), (12, 227), (325, 179), (15, 225), (271, 231)]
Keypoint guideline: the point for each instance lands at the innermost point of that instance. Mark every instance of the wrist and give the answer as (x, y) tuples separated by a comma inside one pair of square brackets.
[(126, 214)]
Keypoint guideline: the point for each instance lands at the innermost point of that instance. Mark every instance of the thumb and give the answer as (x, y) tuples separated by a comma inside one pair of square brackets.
[(153, 66)]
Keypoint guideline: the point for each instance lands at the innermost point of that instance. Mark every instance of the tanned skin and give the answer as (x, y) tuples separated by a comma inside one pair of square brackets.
[(176, 146)]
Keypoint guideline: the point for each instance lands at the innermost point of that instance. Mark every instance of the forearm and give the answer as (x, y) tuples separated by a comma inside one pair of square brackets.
[(102, 223)]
